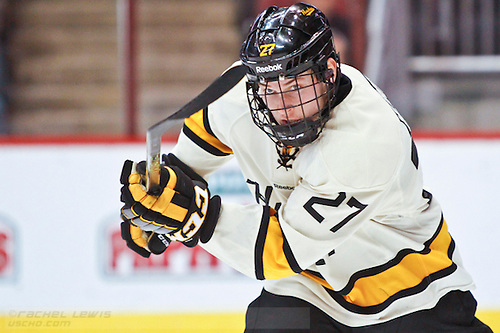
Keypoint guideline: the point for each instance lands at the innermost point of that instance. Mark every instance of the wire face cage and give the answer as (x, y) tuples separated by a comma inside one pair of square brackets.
[(292, 111)]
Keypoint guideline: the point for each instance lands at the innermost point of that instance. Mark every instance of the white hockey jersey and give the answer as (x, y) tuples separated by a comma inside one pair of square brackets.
[(349, 228)]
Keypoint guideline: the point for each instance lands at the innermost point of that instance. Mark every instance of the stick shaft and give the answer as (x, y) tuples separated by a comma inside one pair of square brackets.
[(153, 136), (153, 142)]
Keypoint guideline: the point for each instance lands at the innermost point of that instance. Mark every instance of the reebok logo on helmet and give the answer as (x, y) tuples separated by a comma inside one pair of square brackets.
[(269, 68)]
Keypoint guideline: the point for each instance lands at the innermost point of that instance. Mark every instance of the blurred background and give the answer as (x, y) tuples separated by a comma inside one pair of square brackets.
[(80, 83), (105, 67)]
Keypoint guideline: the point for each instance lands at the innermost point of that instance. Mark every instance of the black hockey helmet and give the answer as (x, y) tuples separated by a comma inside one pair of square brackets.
[(286, 43)]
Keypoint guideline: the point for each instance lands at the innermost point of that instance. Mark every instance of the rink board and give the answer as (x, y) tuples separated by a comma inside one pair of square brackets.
[(60, 250)]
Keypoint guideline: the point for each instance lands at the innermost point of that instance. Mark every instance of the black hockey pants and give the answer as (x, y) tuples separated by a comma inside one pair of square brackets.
[(270, 313)]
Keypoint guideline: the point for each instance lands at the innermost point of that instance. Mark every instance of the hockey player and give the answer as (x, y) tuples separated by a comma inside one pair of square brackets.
[(343, 232)]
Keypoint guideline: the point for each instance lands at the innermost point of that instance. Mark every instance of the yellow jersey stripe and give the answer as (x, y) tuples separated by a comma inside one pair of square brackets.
[(317, 279), (409, 273), (275, 263), (273, 256), (197, 129)]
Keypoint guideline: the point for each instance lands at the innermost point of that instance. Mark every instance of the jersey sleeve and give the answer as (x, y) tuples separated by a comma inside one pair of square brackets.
[(198, 146), (197, 129)]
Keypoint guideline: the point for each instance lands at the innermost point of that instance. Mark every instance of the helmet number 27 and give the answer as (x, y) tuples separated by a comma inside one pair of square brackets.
[(266, 49)]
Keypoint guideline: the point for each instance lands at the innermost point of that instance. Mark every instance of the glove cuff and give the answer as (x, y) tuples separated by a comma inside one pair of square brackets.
[(208, 228)]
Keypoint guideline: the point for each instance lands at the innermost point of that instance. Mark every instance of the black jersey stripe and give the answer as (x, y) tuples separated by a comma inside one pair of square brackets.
[(287, 250), (202, 143), (316, 274), (259, 244), (206, 123)]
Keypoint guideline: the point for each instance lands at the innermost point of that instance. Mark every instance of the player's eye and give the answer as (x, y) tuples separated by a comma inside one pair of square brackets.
[(266, 90)]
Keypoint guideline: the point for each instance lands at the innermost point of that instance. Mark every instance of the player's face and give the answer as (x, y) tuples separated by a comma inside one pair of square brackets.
[(292, 100)]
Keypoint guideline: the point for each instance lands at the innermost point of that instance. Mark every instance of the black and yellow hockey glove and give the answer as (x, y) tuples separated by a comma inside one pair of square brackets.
[(182, 209), (143, 242)]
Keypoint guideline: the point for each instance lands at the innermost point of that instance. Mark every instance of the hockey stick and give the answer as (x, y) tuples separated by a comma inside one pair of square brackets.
[(214, 91)]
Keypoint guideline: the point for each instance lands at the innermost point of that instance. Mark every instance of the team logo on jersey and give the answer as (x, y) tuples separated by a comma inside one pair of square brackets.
[(266, 49), (308, 11)]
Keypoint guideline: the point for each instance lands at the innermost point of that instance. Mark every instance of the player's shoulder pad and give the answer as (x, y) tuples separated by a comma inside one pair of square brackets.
[(360, 147)]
